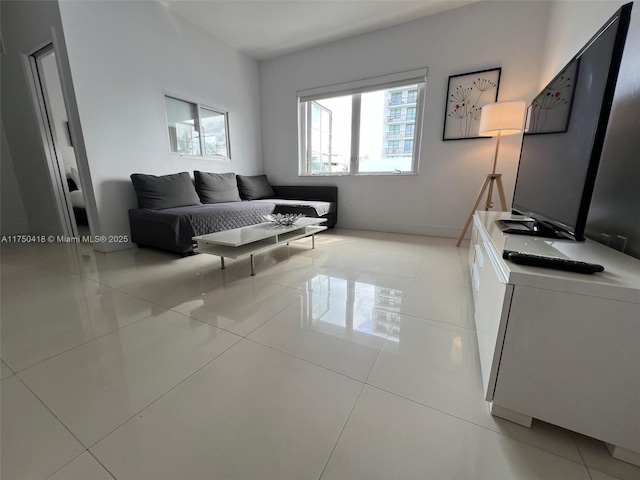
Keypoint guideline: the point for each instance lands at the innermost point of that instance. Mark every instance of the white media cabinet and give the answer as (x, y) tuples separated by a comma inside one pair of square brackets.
[(558, 346)]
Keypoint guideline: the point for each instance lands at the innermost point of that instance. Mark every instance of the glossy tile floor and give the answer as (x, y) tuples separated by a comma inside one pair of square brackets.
[(356, 360)]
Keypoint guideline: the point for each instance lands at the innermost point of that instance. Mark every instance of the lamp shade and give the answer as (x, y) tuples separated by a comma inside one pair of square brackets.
[(505, 118)]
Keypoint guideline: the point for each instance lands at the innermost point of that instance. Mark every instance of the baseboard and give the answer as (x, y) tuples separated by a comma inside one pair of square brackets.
[(109, 247), (402, 228)]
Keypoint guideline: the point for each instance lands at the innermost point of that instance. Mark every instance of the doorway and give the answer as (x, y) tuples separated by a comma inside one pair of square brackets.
[(58, 144)]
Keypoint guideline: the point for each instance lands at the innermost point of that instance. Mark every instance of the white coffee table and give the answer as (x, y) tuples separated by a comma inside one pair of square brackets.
[(253, 239)]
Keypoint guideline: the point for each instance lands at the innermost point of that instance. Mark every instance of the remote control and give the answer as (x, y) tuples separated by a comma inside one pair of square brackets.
[(551, 262)]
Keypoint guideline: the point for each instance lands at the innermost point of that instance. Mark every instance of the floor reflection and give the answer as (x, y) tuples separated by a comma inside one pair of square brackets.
[(355, 306)]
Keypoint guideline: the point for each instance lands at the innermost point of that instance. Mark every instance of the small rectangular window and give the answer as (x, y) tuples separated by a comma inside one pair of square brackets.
[(196, 129)]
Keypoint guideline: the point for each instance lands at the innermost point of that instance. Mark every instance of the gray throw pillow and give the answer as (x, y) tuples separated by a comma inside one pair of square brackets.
[(216, 187), (165, 191), (255, 188)]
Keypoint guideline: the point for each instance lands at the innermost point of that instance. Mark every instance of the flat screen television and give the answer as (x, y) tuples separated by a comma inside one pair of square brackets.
[(564, 135)]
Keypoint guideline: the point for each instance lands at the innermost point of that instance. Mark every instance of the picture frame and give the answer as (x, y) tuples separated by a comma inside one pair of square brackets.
[(550, 111), (467, 93)]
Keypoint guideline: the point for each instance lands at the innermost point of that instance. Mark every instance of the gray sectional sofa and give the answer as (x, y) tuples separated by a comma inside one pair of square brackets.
[(172, 209)]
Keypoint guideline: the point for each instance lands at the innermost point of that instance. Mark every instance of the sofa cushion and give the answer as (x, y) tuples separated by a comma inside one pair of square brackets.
[(217, 187), (165, 191), (255, 187)]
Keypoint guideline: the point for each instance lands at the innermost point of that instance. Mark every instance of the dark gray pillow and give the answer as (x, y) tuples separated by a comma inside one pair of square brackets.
[(165, 191), (217, 187), (255, 188)]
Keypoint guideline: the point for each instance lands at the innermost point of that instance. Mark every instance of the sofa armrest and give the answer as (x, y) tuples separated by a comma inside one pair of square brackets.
[(321, 193)]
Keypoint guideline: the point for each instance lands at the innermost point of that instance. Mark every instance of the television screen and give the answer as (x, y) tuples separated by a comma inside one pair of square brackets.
[(564, 134)]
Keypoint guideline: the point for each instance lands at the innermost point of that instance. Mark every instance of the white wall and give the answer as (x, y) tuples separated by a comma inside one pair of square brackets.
[(27, 26), (437, 200), (615, 207), (572, 23), (122, 56), (13, 216)]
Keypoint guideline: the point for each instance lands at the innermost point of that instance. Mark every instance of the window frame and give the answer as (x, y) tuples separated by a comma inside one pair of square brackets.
[(355, 89), (310, 128), (200, 129)]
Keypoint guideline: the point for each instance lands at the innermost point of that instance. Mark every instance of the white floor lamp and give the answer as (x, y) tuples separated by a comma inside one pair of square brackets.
[(497, 120)]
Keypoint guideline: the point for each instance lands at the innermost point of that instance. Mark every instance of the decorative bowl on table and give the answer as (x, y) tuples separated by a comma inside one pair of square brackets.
[(284, 219)]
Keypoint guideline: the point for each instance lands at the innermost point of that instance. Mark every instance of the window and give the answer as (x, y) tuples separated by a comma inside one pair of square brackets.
[(320, 144), (196, 129), (396, 98), (352, 128), (409, 129), (408, 146), (412, 96)]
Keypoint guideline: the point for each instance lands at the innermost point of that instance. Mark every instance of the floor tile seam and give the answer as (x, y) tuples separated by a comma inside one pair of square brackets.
[(372, 249), (54, 416), (328, 273), (162, 396), (102, 464), (10, 369), (83, 344), (469, 286), (335, 445), (573, 437), (303, 359), (373, 365), (603, 472), (386, 252), (263, 323), (337, 298), (273, 316), (102, 285), (58, 265), (468, 329), (377, 272), (120, 287), (396, 277), (74, 459), (575, 442), (262, 278), (112, 332), (346, 300), (477, 425)]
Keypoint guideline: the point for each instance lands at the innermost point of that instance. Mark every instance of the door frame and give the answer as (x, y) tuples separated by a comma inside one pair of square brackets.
[(57, 174)]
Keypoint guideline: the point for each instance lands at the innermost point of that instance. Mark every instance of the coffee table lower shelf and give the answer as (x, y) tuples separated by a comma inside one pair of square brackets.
[(250, 249)]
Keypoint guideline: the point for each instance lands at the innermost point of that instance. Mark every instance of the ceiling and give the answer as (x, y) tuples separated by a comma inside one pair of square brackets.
[(267, 28)]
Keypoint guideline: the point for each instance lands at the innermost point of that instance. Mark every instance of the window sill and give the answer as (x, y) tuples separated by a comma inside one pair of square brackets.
[(202, 157), (361, 174)]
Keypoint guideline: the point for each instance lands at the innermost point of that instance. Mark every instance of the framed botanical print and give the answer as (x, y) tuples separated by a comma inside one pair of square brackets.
[(466, 95)]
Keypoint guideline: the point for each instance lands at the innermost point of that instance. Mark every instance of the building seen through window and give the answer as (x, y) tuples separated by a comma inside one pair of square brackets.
[(365, 132)]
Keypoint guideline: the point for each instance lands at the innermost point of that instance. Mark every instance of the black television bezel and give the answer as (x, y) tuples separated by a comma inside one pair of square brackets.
[(545, 225)]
